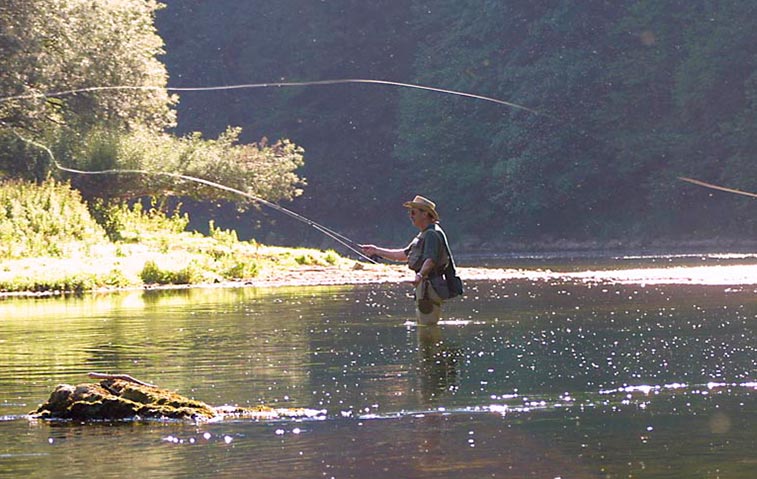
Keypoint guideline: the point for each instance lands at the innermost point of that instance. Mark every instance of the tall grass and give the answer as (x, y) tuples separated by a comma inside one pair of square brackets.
[(49, 219), (135, 224), (49, 242)]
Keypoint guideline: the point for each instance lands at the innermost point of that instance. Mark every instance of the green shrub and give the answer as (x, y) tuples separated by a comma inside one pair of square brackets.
[(47, 219), (242, 270), (304, 259), (330, 257), (122, 222), (71, 283), (225, 237), (190, 274), (116, 279), (153, 274)]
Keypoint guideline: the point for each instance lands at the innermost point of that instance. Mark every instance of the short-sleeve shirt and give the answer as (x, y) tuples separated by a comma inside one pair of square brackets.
[(427, 244)]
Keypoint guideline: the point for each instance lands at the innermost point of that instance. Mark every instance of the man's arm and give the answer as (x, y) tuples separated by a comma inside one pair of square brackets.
[(390, 254), (426, 269)]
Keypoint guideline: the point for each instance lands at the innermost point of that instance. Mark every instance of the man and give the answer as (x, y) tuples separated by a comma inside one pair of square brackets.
[(427, 255)]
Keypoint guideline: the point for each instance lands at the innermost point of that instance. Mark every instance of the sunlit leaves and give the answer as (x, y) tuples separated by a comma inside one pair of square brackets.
[(57, 45), (259, 169)]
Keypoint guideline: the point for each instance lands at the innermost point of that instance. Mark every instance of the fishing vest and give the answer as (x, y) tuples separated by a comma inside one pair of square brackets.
[(414, 251)]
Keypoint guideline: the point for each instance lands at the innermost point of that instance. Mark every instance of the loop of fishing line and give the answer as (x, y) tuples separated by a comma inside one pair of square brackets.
[(341, 239), (330, 233), (338, 81)]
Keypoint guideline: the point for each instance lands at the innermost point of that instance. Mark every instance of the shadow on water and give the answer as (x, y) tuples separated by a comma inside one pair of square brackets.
[(523, 379)]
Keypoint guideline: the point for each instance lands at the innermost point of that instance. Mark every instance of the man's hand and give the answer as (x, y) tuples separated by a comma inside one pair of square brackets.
[(369, 249)]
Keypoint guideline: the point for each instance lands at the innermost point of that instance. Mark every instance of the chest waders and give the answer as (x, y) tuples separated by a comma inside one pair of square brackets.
[(428, 303)]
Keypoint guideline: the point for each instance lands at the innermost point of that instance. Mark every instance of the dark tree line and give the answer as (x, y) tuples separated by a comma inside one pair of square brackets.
[(630, 95), (623, 97)]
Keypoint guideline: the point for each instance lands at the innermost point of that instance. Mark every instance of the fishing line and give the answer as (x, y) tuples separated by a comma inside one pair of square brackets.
[(275, 84), (339, 238), (716, 187)]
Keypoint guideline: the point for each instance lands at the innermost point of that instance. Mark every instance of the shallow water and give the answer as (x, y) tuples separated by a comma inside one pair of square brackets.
[(523, 379)]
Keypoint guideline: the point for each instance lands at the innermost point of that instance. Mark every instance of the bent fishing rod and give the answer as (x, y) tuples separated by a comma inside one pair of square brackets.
[(339, 238)]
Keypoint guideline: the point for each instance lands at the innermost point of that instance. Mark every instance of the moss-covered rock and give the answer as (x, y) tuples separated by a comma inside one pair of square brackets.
[(115, 399), (119, 399)]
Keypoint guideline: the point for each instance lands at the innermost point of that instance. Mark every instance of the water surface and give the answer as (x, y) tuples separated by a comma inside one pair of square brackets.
[(523, 379)]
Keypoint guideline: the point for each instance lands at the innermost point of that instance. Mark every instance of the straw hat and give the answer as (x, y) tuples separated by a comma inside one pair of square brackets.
[(423, 204)]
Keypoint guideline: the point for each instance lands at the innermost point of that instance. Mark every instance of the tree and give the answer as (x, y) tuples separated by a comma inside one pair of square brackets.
[(679, 106), (58, 45), (260, 170), (535, 167), (629, 95), (118, 117), (347, 130)]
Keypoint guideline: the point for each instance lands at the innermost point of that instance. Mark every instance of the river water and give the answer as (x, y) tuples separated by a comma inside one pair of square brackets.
[(524, 378)]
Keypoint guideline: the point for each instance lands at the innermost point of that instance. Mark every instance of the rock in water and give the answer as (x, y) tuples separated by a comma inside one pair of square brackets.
[(115, 399)]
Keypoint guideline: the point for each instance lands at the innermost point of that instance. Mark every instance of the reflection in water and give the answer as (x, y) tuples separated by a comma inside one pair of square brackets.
[(437, 375), (438, 367)]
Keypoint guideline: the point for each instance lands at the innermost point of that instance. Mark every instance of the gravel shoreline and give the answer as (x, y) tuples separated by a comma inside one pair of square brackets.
[(361, 273), (376, 274)]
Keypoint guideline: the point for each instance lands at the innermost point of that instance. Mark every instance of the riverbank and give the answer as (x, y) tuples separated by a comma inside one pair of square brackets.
[(366, 274), (350, 272), (52, 245)]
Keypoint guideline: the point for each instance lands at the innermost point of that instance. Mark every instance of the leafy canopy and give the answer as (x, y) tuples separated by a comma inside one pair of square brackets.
[(61, 45)]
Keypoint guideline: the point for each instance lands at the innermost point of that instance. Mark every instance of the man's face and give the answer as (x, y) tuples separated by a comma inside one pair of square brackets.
[(418, 217)]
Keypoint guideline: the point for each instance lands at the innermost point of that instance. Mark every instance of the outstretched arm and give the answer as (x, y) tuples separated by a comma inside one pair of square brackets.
[(390, 254)]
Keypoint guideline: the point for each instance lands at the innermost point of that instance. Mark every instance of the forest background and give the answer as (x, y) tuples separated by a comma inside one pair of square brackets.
[(629, 95)]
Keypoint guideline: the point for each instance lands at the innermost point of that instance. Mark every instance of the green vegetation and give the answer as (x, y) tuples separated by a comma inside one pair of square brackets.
[(125, 122), (631, 94), (49, 239), (628, 95), (51, 243), (45, 220)]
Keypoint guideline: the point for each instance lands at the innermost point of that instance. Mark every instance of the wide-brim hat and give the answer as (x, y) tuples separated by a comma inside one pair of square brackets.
[(424, 204)]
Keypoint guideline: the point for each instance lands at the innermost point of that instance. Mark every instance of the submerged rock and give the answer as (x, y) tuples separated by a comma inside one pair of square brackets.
[(115, 398)]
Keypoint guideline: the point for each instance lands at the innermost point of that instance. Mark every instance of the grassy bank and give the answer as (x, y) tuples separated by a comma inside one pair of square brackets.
[(52, 241)]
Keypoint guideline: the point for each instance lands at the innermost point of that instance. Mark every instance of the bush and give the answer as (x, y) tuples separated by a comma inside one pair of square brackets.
[(70, 283), (153, 274), (47, 219), (133, 224), (242, 270), (317, 258)]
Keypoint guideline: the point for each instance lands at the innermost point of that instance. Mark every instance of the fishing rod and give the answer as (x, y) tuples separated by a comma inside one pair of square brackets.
[(338, 237)]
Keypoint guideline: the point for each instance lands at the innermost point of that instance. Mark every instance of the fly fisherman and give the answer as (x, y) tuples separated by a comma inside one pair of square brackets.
[(427, 255)]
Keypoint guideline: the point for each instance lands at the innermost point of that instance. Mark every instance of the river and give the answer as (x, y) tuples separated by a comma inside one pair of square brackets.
[(525, 378)]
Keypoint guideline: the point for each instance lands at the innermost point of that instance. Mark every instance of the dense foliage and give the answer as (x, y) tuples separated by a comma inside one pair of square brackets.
[(119, 114), (631, 94), (49, 242), (628, 95), (45, 220)]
